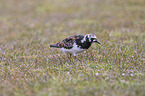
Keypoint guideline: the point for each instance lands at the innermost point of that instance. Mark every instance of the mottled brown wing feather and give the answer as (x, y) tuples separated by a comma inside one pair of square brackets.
[(68, 42)]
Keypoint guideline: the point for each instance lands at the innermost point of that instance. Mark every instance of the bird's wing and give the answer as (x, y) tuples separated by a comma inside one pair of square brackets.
[(68, 42)]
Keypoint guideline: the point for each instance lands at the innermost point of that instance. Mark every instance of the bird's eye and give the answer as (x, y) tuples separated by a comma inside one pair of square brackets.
[(92, 39)]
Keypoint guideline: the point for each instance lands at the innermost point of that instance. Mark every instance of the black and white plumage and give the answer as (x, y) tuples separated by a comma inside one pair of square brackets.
[(76, 43)]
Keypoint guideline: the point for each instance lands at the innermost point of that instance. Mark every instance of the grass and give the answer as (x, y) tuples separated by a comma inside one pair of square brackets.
[(28, 67)]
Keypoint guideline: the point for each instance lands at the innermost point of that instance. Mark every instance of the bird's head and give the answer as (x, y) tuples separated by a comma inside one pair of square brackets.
[(92, 38)]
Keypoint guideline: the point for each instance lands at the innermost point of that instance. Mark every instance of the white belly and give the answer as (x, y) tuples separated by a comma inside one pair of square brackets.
[(73, 51)]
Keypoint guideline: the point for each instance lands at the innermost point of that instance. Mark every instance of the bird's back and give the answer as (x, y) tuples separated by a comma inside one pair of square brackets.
[(68, 42)]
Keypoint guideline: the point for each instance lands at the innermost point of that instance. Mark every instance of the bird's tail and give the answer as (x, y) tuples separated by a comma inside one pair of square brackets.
[(54, 45)]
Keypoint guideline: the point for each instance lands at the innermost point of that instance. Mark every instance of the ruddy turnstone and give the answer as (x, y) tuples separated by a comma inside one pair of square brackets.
[(76, 43)]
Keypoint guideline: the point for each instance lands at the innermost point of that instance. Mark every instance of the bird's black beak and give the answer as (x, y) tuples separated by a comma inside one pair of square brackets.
[(96, 41)]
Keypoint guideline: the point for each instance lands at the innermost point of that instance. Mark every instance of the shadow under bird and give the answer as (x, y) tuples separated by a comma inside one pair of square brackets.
[(76, 44)]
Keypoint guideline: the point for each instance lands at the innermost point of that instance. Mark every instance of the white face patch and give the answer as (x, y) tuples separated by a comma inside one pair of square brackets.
[(90, 36), (94, 40)]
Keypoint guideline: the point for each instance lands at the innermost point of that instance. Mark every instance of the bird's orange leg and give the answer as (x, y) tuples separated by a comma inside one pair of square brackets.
[(69, 56), (78, 58)]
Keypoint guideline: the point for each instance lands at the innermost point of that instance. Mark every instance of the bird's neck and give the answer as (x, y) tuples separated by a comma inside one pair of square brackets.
[(86, 44)]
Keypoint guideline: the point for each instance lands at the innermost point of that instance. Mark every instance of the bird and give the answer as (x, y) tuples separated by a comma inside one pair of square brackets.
[(75, 44)]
